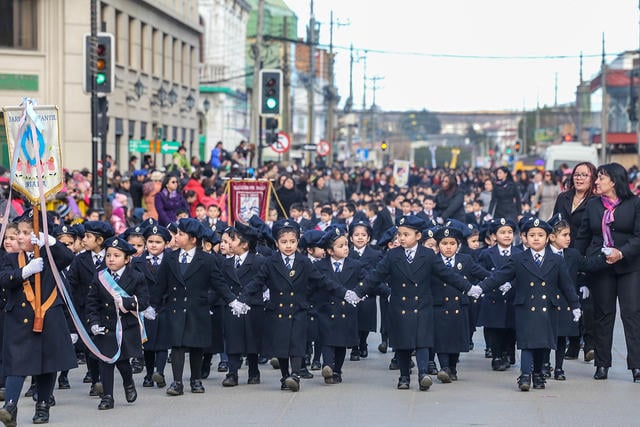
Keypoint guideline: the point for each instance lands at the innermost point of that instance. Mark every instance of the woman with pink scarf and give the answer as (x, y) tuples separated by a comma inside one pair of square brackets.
[(611, 225), (169, 201)]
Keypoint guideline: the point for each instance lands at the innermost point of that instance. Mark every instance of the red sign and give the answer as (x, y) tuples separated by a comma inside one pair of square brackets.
[(323, 148), (283, 144), (248, 198)]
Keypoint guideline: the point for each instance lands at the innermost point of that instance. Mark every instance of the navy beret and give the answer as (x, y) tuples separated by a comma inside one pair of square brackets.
[(285, 224), (536, 223), (100, 228), (497, 223), (59, 230), (157, 230), (79, 229), (249, 233), (523, 220), (331, 234), (411, 221), (138, 230), (556, 219), (310, 239), (208, 235), (191, 226), (359, 216), (27, 216), (388, 236), (121, 244), (361, 223), (148, 222), (172, 227), (461, 226), (448, 231)]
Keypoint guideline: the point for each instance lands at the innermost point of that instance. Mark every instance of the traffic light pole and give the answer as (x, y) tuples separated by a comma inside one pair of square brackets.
[(96, 199)]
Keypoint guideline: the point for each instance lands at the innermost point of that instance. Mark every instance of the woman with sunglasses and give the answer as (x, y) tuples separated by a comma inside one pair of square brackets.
[(169, 201)]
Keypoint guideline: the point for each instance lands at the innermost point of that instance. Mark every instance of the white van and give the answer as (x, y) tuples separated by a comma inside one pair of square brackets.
[(569, 153)]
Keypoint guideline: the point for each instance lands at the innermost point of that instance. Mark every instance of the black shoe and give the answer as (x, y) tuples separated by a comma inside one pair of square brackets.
[(275, 363), (176, 389), (546, 370), (52, 401), (432, 369), (558, 374), (327, 374), (262, 360), (512, 359), (42, 413), (315, 365), (355, 355), (499, 364), (636, 374), (253, 380), (337, 378), (403, 383), (206, 370), (196, 386), (96, 390), (63, 383), (283, 384), (538, 380), (9, 414), (293, 382), (231, 380), (524, 382), (31, 391), (488, 354), (87, 378), (364, 352), (307, 360), (223, 367), (148, 382), (137, 365), (130, 393), (471, 346), (382, 347), (106, 403), (589, 355), (304, 373), (444, 375), (453, 374), (158, 378), (393, 365), (425, 382), (601, 373)]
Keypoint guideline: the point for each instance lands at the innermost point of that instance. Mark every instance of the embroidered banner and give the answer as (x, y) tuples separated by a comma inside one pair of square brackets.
[(248, 198)]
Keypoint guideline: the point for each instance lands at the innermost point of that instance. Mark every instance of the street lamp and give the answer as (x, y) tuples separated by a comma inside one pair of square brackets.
[(191, 102), (206, 105), (173, 97), (138, 88), (162, 95)]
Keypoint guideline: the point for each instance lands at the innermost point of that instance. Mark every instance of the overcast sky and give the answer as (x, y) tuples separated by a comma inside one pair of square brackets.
[(458, 55)]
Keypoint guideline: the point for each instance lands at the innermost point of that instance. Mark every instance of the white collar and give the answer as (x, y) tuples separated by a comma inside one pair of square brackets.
[(241, 257)]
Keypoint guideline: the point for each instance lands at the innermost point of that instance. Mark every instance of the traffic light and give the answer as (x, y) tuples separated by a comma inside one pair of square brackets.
[(270, 92), (271, 134), (384, 146), (518, 147), (509, 151), (99, 67)]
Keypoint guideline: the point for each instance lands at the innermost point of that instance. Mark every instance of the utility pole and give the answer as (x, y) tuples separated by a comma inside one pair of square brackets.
[(286, 90), (363, 128), (638, 96), (255, 96), (311, 84), (605, 107), (331, 101), (374, 86), (97, 200), (524, 130), (349, 104)]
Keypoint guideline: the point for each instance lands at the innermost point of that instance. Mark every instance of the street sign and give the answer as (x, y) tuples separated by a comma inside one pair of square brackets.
[(283, 144), (139, 145), (324, 148), (168, 147), (309, 147), (362, 154)]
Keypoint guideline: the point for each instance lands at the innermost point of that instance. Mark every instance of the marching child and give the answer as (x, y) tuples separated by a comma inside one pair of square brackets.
[(117, 295)]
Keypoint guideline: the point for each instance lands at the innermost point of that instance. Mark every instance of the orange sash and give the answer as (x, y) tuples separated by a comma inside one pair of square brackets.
[(39, 309)]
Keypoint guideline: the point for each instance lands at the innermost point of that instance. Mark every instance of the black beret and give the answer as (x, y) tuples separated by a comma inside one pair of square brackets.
[(249, 233), (411, 221), (208, 235), (360, 223), (59, 230), (100, 228), (285, 224), (310, 239), (388, 236), (536, 223), (447, 231), (172, 227), (121, 244), (191, 226), (497, 223), (157, 230), (331, 234), (138, 230), (461, 226)]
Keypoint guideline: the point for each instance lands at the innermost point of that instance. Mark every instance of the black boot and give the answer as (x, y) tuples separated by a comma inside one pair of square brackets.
[(546, 370), (432, 369), (42, 413), (9, 414), (130, 393), (524, 382), (538, 380), (137, 365)]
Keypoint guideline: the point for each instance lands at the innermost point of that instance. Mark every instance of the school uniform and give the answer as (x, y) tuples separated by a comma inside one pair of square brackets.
[(367, 309)]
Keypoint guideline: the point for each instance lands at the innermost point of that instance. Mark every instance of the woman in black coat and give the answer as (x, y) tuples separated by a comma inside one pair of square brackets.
[(287, 195), (505, 199), (450, 199), (611, 225)]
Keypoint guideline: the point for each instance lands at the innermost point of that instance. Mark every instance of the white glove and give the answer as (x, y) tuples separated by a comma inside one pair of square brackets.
[(439, 220), (577, 314), (584, 291), (505, 288), (238, 308), (149, 313), (266, 296), (40, 239), (475, 291), (74, 338), (34, 266), (352, 298), (97, 330), (117, 300)]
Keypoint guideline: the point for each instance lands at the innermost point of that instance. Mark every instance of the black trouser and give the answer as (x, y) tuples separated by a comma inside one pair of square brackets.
[(448, 360), (195, 362), (155, 361), (106, 373), (501, 341), (93, 366), (235, 361), (334, 357), (532, 359), (44, 387), (606, 288), (296, 365), (404, 361), (561, 347)]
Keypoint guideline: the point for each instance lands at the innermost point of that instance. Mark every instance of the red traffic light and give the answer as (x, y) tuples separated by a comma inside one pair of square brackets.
[(101, 49)]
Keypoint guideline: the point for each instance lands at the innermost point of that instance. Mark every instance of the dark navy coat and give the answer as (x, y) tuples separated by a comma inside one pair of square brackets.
[(32, 353), (410, 312), (102, 311), (81, 276), (286, 313), (367, 309), (537, 296)]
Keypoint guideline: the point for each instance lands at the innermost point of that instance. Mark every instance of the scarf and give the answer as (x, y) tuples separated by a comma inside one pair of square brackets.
[(607, 219)]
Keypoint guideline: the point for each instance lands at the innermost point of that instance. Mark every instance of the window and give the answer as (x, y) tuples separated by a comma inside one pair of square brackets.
[(18, 24)]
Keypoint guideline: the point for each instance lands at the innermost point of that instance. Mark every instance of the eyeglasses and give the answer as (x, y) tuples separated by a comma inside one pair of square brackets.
[(582, 175), (173, 182)]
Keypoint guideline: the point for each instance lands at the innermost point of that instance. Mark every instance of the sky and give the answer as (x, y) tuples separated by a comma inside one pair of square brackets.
[(463, 55)]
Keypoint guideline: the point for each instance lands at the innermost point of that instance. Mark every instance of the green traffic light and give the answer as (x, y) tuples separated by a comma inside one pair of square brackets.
[(101, 78), (271, 103)]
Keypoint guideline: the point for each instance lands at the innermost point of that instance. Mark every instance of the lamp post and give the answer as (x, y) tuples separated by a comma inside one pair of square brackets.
[(173, 97), (138, 88)]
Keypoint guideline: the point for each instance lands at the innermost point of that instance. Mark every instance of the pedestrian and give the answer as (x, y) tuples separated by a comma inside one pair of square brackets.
[(545, 198), (118, 294), (169, 201), (505, 198), (33, 346), (538, 277)]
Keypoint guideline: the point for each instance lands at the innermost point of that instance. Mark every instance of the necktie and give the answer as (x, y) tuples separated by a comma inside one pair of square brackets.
[(29, 256), (287, 263), (561, 253), (336, 267), (505, 253), (155, 261), (116, 277), (97, 259), (538, 259), (409, 256), (183, 260), (448, 262), (237, 262)]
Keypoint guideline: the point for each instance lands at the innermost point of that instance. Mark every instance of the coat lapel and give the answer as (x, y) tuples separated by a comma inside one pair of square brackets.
[(195, 264), (173, 265), (530, 264)]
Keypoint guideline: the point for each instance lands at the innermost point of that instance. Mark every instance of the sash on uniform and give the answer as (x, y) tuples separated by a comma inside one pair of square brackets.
[(111, 286)]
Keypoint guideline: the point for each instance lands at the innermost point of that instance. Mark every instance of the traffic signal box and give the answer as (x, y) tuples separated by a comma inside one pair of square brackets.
[(384, 146), (270, 92), (99, 68)]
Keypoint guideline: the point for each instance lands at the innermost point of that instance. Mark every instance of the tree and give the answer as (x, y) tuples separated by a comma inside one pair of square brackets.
[(416, 125)]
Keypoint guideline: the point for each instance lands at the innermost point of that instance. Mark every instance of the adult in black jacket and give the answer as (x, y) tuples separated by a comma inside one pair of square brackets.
[(611, 224), (287, 195), (505, 199), (450, 199)]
